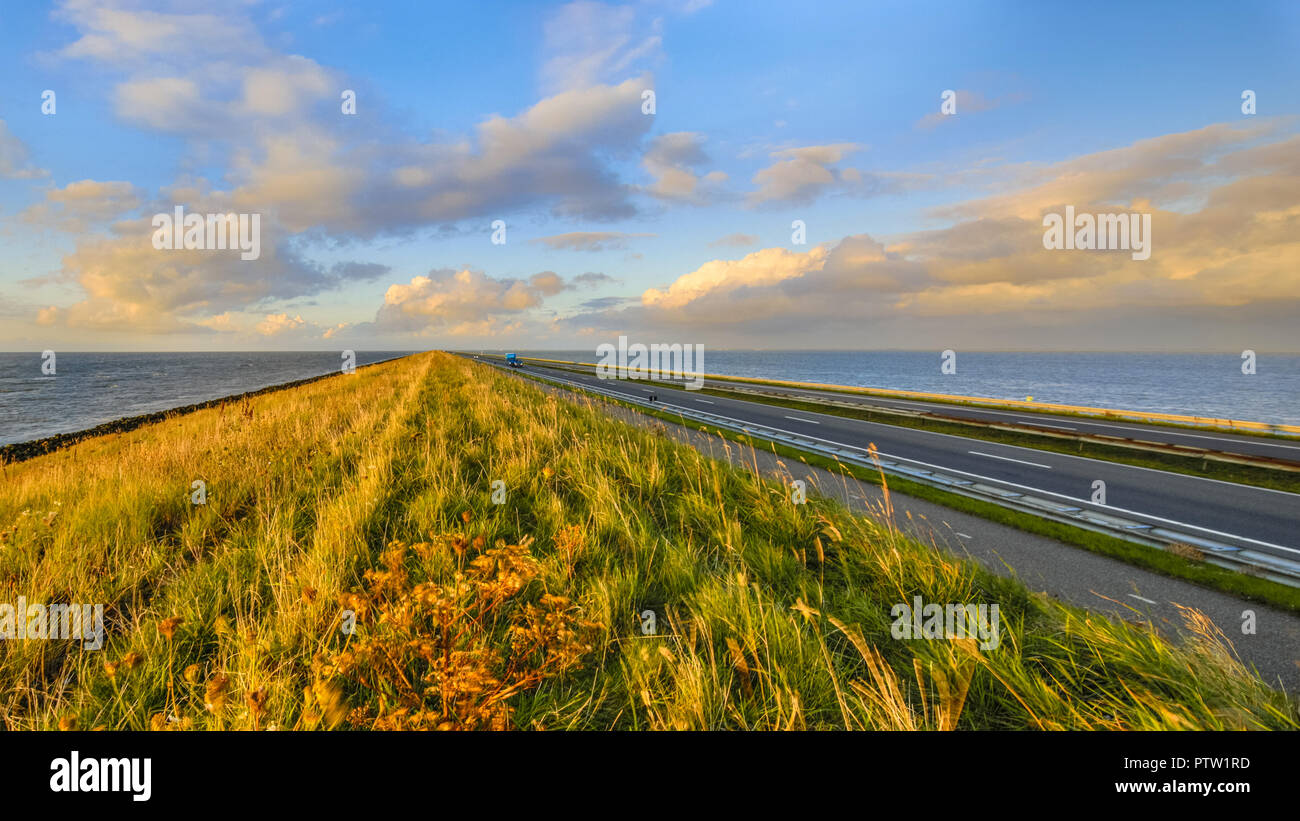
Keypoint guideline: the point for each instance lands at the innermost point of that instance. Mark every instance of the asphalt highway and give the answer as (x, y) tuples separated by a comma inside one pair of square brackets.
[(1241, 515), (1209, 439)]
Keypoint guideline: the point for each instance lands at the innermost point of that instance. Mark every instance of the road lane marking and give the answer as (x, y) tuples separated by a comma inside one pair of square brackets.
[(1009, 459), (963, 535), (1139, 598), (809, 421), (705, 401)]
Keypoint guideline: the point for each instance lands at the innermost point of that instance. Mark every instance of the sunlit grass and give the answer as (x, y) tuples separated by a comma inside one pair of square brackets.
[(372, 494)]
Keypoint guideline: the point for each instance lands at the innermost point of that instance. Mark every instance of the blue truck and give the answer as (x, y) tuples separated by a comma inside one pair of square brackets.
[(513, 360)]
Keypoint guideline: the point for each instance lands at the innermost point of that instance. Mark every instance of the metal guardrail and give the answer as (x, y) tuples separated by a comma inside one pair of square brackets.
[(1232, 557)]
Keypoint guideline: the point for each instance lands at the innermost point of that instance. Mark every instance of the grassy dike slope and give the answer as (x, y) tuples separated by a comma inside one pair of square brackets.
[(372, 493)]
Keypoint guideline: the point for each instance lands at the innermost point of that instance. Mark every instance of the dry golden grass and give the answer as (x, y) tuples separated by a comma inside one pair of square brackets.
[(368, 498)]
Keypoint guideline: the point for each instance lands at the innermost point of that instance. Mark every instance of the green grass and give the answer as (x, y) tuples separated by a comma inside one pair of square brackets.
[(373, 494), (1210, 576)]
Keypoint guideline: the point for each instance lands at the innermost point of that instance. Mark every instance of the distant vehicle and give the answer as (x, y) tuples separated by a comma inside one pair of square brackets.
[(513, 360)]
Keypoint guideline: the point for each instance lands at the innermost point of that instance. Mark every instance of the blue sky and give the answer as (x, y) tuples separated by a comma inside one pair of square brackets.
[(922, 230)]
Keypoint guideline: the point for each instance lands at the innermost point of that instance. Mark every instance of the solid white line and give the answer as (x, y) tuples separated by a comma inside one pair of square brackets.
[(1058, 427), (1007, 459), (1074, 499), (1139, 598), (809, 421)]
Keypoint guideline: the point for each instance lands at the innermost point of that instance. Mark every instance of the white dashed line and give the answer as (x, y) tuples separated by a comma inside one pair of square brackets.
[(1139, 598), (963, 535), (705, 401), (809, 421), (1009, 459)]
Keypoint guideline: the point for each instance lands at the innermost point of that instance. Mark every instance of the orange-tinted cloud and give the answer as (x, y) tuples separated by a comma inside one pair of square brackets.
[(1225, 208)]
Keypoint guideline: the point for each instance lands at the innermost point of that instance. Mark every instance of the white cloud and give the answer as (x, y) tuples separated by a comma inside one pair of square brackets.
[(79, 206), (112, 32), (590, 43), (588, 240), (15, 159), (721, 276), (1223, 269), (553, 154), (799, 175), (276, 324), (673, 160), (464, 302)]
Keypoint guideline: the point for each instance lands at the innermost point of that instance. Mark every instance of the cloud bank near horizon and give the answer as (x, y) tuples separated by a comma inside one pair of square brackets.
[(356, 220)]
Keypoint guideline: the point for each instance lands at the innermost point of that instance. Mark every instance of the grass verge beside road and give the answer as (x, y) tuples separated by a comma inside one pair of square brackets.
[(1169, 564)]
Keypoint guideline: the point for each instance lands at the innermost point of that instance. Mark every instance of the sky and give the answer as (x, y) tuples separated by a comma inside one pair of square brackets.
[(528, 175)]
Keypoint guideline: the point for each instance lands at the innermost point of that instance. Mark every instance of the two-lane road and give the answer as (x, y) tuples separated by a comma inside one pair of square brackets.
[(1241, 515), (1225, 442), (1208, 439)]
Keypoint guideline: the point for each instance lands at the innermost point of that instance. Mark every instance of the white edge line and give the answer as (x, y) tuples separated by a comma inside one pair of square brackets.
[(1008, 459)]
